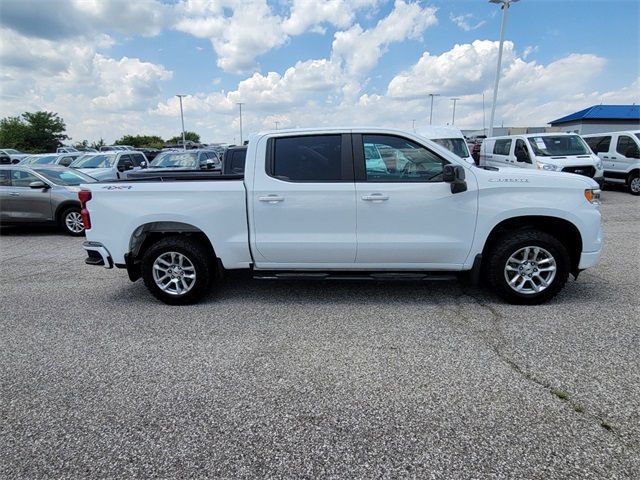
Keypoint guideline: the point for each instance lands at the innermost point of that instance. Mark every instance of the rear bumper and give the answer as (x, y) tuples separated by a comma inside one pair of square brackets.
[(97, 255)]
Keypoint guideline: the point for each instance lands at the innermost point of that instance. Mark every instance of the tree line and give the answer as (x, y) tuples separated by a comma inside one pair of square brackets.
[(43, 132)]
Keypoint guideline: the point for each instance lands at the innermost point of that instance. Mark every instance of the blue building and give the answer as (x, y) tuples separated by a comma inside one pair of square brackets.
[(600, 118)]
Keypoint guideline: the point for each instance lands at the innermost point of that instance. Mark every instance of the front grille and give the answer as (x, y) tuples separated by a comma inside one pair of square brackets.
[(586, 170)]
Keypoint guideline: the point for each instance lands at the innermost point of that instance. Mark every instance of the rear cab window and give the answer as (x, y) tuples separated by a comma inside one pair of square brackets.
[(309, 158)]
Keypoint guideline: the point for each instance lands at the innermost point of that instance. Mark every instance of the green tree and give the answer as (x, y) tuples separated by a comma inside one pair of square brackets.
[(193, 136), (13, 132), (33, 132), (98, 144), (139, 141)]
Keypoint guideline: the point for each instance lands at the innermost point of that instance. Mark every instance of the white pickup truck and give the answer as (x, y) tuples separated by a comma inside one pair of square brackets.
[(349, 203)]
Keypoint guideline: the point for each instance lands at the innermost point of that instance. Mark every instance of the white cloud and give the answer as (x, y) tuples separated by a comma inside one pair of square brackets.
[(309, 15), (239, 30), (361, 49), (464, 21)]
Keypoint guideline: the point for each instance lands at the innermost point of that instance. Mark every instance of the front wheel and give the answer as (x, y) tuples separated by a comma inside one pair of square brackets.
[(528, 267), (177, 270), (71, 222), (634, 184)]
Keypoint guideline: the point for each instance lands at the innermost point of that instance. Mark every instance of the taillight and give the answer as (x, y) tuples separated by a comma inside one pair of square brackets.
[(85, 196)]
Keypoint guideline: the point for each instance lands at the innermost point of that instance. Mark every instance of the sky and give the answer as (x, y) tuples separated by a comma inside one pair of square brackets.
[(113, 67)]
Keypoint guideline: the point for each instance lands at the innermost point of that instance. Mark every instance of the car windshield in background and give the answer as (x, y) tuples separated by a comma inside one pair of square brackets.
[(175, 160), (94, 161), (558, 146), (65, 177), (39, 160), (11, 151), (455, 145)]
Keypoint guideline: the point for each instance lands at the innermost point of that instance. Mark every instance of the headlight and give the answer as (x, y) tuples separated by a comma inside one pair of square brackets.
[(548, 166), (592, 195)]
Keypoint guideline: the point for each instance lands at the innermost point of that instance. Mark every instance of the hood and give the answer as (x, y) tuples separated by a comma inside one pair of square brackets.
[(570, 160), (513, 176)]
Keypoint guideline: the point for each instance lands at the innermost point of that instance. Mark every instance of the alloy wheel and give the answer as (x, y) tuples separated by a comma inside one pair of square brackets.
[(530, 270), (174, 273), (73, 221)]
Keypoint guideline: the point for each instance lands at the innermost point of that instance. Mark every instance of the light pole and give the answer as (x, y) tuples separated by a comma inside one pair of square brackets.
[(413, 125), (453, 119), (505, 8), (431, 113), (277, 125), (184, 145), (240, 107)]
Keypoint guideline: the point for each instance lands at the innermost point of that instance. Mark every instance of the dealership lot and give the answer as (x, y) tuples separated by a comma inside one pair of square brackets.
[(312, 379)]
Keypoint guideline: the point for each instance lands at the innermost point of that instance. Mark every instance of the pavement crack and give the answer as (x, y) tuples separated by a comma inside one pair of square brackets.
[(494, 339)]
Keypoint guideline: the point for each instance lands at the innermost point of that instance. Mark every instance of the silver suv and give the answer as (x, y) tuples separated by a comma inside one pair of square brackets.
[(110, 165), (42, 194)]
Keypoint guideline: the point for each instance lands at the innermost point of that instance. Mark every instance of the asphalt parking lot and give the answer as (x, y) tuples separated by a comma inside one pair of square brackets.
[(310, 380)]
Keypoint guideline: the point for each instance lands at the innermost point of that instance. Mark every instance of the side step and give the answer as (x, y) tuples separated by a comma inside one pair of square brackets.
[(375, 276)]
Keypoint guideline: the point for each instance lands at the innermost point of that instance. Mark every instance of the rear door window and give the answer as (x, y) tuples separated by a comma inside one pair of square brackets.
[(625, 143), (310, 158), (20, 178), (502, 147)]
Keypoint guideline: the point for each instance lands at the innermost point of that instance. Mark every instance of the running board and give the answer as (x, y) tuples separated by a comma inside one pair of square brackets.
[(378, 276)]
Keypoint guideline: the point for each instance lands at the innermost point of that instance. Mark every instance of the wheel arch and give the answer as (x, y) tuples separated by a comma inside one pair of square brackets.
[(60, 209), (565, 231), (149, 233)]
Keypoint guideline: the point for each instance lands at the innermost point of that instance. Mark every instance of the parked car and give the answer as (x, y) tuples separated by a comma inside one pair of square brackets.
[(450, 138), (552, 152), (14, 155), (64, 159), (620, 155), (310, 207), (233, 160), (115, 148), (110, 165), (66, 150), (187, 160), (150, 153), (42, 194)]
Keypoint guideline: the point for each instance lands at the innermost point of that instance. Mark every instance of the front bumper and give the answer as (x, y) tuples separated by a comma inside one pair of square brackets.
[(97, 255)]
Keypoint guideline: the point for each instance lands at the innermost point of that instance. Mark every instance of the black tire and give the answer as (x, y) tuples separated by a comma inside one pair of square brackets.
[(633, 183), (512, 242), (195, 253), (69, 223)]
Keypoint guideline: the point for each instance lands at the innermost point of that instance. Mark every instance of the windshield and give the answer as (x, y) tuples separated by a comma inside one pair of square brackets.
[(94, 161), (65, 177), (39, 160), (175, 159), (455, 145), (552, 146)]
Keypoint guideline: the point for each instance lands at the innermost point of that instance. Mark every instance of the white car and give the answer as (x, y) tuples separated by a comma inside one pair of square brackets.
[(312, 205), (14, 155), (553, 152), (110, 165), (620, 154), (450, 138)]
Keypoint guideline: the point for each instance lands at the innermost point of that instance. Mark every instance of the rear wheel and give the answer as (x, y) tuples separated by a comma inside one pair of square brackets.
[(528, 267), (71, 222), (634, 183), (177, 270)]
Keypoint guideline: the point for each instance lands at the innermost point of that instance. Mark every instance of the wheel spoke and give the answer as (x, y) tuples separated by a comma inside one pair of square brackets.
[(530, 270)]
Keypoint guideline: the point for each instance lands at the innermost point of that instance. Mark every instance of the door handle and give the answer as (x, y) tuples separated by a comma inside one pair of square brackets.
[(375, 197), (613, 158), (604, 156), (14, 194), (271, 199)]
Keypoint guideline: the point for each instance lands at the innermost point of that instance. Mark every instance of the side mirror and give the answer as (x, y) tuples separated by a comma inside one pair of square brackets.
[(454, 174), (38, 184), (632, 152), (143, 164), (207, 164)]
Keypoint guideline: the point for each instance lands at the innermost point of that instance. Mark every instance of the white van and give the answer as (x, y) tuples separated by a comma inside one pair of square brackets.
[(620, 155), (557, 152), (450, 138)]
